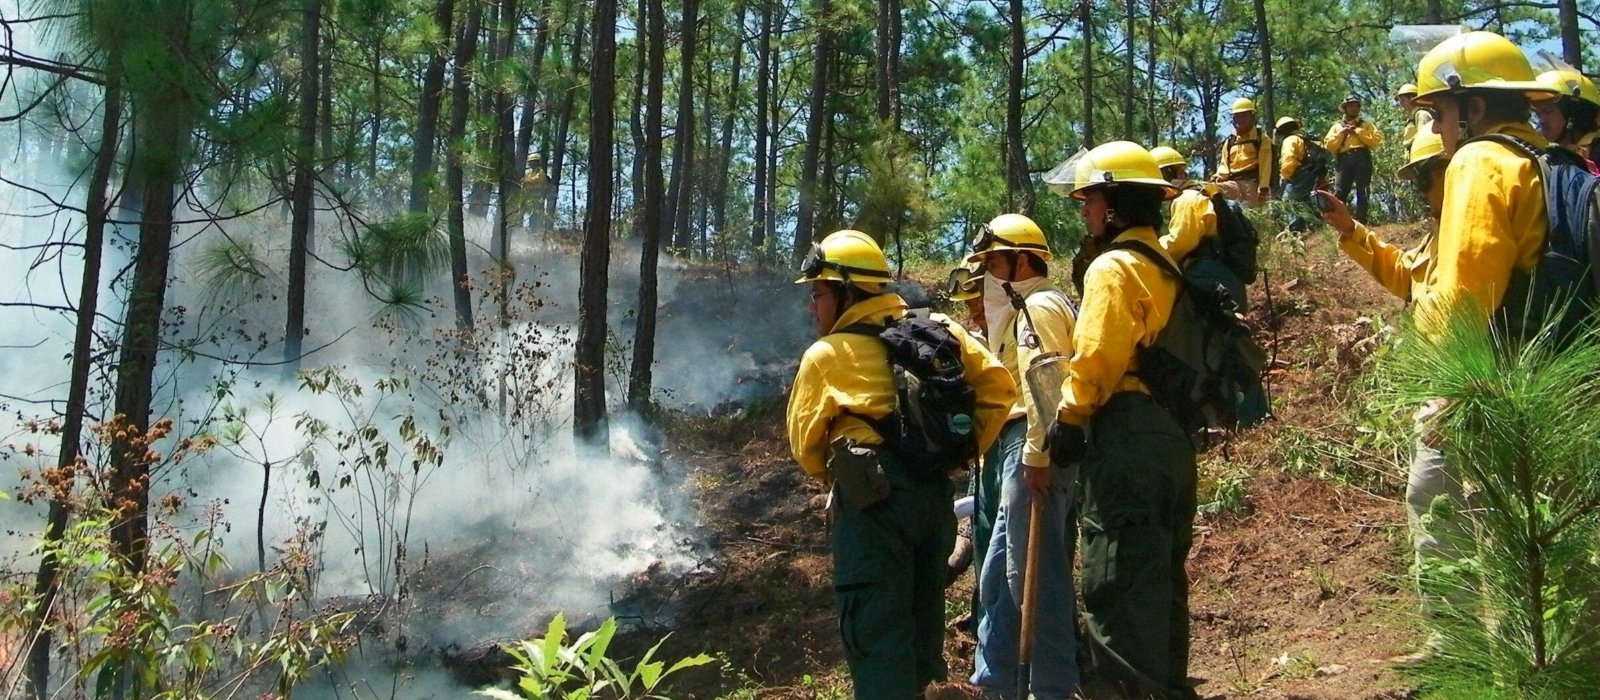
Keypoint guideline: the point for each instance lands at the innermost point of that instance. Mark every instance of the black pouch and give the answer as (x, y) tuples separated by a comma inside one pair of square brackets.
[(857, 474)]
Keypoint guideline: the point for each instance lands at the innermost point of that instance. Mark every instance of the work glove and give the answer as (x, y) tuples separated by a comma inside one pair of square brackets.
[(1068, 443)]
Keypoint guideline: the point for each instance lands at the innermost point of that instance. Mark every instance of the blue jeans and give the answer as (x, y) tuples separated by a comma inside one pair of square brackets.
[(1054, 673)]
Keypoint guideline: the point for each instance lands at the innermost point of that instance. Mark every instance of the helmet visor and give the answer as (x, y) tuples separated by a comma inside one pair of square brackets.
[(814, 263)]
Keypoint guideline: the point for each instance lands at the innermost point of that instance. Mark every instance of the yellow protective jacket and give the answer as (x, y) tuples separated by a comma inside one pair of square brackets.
[(1294, 153), (1365, 135), (1493, 223), (848, 373), (1419, 122), (1246, 155), (1053, 315), (1127, 300), (1399, 270), (1193, 219)]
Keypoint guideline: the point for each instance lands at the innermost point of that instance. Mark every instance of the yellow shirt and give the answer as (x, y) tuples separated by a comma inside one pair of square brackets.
[(1052, 313), (1420, 122), (1243, 153), (1294, 153), (1127, 300), (1400, 271), (849, 373), (1193, 219), (1493, 222), (1365, 135)]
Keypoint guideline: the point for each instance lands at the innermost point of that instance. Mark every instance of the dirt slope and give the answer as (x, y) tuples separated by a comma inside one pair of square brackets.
[(1299, 577)]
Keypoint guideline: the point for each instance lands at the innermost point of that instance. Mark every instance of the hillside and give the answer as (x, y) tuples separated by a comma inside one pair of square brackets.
[(1299, 562)]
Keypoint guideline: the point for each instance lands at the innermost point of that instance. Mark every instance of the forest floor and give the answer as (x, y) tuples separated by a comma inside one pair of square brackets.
[(1299, 565)]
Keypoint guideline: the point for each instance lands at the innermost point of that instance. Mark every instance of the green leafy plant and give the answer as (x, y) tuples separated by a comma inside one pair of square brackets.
[(1515, 615), (551, 667)]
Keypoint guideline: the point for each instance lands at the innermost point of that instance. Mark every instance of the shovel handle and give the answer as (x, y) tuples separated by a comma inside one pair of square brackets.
[(1030, 581)]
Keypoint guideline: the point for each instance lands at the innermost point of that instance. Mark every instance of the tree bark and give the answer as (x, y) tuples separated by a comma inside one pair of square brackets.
[(1019, 187), (805, 215), (1571, 38), (719, 203), (758, 223), (1434, 13), (505, 145), (1129, 37), (428, 114), (1086, 16), (304, 178), (641, 376), (558, 144), (46, 583), (588, 423), (1264, 43), (636, 121), (678, 204), (886, 61), (460, 103)]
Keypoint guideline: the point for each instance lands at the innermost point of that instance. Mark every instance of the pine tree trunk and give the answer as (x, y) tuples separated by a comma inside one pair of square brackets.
[(505, 146), (805, 215), (558, 144), (46, 583), (636, 123), (304, 179), (428, 114), (589, 407), (1130, 31), (1264, 41), (1153, 128), (532, 112), (1086, 15), (641, 375), (683, 140), (460, 103), (758, 223), (1019, 187), (719, 203), (1571, 38)]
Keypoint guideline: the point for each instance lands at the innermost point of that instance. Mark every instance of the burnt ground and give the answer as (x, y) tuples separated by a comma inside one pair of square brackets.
[(1298, 568)]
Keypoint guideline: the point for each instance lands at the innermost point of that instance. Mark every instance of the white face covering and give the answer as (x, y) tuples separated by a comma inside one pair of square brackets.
[(997, 308)]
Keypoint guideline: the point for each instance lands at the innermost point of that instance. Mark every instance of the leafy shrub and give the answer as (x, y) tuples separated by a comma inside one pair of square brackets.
[(550, 667)]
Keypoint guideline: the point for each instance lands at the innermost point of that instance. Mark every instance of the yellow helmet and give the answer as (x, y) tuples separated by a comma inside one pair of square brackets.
[(1119, 163), (1480, 61), (1425, 147), (1168, 157), (1570, 83), (1009, 232), (965, 283), (1407, 89), (1244, 104), (1284, 121), (848, 256)]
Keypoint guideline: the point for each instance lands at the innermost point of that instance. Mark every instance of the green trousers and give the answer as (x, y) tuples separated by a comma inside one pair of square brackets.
[(888, 578), (1138, 523)]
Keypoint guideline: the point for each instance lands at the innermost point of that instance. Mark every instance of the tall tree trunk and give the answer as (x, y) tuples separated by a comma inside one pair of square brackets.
[(1571, 39), (1019, 187), (708, 146), (1130, 38), (375, 72), (428, 115), (533, 111), (758, 223), (636, 123), (1086, 16), (558, 144), (1264, 43), (588, 423), (460, 103), (294, 330), (805, 212), (771, 115), (641, 375), (719, 202), (1153, 128), (46, 584), (325, 119), (505, 170), (1434, 13), (683, 140), (885, 60)]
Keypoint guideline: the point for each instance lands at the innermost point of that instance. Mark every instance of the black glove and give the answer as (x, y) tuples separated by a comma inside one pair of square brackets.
[(1068, 443)]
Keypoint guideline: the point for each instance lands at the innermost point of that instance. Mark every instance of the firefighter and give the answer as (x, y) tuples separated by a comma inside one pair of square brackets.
[(1569, 119), (1193, 214), (888, 555), (1351, 140), (1244, 172)]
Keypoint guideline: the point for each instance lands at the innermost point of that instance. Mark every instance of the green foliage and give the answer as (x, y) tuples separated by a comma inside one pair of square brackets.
[(1522, 427), (404, 248), (232, 267), (553, 667)]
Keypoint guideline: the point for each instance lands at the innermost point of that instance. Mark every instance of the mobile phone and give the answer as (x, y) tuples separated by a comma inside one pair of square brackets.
[(1322, 201)]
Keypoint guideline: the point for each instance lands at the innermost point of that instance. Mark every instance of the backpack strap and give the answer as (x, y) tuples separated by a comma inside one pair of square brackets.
[(1147, 251)]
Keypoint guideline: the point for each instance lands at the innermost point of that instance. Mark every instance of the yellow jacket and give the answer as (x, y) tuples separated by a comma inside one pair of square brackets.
[(1365, 135), (1493, 222), (1420, 121), (1400, 271), (848, 373), (1247, 156), (1127, 300), (1193, 219), (1053, 315), (1294, 153)]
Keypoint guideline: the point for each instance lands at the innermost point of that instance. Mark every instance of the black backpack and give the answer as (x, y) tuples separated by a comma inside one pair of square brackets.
[(1565, 275), (932, 429), (1314, 166), (1205, 366), (1235, 246)]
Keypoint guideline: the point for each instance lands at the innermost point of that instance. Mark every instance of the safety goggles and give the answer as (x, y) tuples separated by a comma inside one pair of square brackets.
[(988, 239), (814, 262)]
